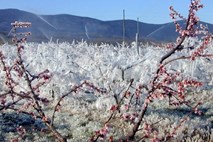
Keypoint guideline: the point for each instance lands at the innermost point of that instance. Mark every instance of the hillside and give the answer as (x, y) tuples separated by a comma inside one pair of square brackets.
[(69, 27)]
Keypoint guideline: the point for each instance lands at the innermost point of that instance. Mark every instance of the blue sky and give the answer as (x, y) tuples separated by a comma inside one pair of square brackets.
[(149, 11)]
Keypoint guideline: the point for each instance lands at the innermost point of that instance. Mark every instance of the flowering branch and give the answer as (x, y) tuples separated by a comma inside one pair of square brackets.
[(31, 96), (189, 31)]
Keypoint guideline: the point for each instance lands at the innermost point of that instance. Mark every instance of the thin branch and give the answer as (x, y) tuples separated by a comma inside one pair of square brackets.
[(61, 98), (10, 104), (187, 57)]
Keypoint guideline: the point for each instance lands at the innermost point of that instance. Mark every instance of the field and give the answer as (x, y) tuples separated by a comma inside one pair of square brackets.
[(111, 68)]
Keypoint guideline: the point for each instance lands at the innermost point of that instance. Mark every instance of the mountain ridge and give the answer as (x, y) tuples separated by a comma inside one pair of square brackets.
[(67, 27)]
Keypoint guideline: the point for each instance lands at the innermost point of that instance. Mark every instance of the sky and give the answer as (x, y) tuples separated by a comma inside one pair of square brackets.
[(149, 11)]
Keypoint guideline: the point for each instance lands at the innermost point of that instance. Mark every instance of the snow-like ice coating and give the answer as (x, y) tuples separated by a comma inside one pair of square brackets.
[(103, 65), (106, 66)]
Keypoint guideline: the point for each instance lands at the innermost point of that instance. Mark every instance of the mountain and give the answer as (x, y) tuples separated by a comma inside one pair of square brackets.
[(69, 27), (167, 31)]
